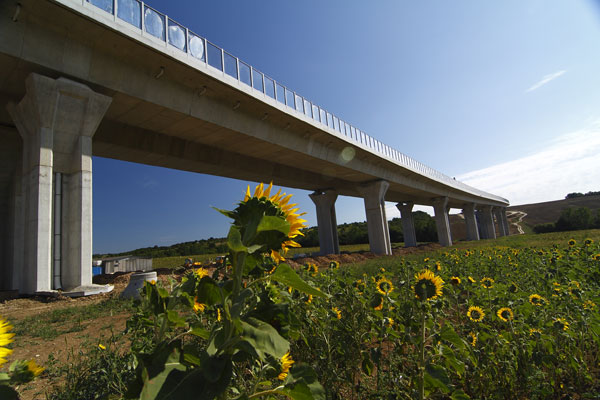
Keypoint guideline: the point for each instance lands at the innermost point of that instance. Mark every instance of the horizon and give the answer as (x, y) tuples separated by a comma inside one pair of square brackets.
[(516, 79)]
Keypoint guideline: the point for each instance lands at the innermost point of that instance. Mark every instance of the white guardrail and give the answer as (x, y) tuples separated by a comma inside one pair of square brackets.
[(176, 35)]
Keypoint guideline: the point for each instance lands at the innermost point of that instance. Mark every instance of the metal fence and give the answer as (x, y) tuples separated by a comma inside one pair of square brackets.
[(160, 26)]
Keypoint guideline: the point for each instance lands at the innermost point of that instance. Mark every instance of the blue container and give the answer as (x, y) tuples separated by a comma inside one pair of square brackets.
[(97, 270)]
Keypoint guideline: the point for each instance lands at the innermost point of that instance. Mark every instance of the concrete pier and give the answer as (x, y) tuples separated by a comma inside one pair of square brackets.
[(471, 222), (56, 120), (486, 219), (408, 223), (327, 223), (440, 207), (379, 233)]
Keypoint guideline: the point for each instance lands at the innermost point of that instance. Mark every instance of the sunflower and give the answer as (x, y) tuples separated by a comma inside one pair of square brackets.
[(596, 257), (513, 288), (572, 242), (198, 306), (286, 363), (384, 286), (334, 264), (471, 280), (219, 314), (455, 281), (537, 300), (589, 305), (309, 299), (360, 286), (588, 242), (535, 332), (561, 324), (438, 266), (475, 314), (312, 269), (101, 346), (5, 339), (33, 368), (473, 337), (337, 312), (388, 321), (487, 283), (505, 314), (277, 243), (380, 306), (201, 273), (428, 285)]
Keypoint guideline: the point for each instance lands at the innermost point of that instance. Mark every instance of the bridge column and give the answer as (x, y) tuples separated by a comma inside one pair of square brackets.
[(501, 220), (488, 231), (440, 207), (56, 120), (408, 223), (469, 214), (379, 233), (327, 223)]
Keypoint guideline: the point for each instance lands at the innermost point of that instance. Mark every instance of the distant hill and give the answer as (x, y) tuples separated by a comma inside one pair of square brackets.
[(549, 211)]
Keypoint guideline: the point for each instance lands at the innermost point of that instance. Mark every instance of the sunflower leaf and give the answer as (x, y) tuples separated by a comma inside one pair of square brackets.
[(272, 223), (286, 275), (234, 240)]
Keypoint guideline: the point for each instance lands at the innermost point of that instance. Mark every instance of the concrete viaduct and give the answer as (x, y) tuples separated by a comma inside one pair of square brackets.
[(117, 79)]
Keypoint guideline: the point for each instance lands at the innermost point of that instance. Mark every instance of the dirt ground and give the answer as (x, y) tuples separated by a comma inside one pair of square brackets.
[(93, 332)]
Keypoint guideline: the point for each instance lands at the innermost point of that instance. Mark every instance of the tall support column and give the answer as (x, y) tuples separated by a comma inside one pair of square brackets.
[(408, 223), (379, 233), (498, 213), (488, 231), (328, 235), (505, 222), (469, 214), (57, 119), (440, 207)]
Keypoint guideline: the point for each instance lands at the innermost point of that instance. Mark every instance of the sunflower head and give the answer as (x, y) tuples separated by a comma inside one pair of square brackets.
[(588, 242), (589, 305), (537, 300), (384, 286), (572, 242), (536, 333), (377, 302), (475, 314), (198, 307), (596, 257), (473, 338), (5, 338), (471, 280), (428, 286), (311, 268), (255, 217), (455, 281), (336, 312), (561, 324), (286, 363), (334, 264), (487, 283), (505, 314), (360, 286)]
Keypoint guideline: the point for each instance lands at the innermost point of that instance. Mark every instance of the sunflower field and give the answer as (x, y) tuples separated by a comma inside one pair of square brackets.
[(482, 323)]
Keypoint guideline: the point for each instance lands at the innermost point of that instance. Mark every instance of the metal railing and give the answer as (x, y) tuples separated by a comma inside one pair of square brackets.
[(160, 26)]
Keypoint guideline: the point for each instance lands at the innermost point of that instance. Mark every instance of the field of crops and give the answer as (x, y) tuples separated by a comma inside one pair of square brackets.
[(515, 318)]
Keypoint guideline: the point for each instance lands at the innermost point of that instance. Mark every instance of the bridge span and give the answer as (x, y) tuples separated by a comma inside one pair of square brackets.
[(118, 79)]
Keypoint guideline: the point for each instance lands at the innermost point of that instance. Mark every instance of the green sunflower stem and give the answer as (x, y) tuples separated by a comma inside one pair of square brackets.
[(422, 361)]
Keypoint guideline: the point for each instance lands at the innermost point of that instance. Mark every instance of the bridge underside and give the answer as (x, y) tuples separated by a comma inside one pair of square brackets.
[(71, 88)]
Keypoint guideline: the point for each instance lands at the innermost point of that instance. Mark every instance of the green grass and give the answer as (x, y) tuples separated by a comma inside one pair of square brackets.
[(60, 321)]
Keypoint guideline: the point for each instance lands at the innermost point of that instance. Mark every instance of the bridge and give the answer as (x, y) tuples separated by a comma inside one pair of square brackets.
[(118, 79)]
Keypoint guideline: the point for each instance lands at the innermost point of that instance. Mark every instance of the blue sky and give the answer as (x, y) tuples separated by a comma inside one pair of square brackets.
[(502, 95)]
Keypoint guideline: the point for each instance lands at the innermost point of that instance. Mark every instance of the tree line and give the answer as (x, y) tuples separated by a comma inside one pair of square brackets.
[(349, 233), (572, 219)]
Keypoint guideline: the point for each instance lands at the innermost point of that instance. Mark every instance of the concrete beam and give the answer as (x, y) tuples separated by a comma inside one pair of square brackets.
[(440, 207), (486, 220), (471, 221), (501, 220), (56, 120), (408, 223), (379, 233), (326, 220)]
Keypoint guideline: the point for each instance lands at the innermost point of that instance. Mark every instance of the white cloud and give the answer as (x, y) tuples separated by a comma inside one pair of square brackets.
[(569, 163), (545, 79)]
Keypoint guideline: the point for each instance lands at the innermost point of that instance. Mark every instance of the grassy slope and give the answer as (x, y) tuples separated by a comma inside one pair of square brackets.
[(549, 211)]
